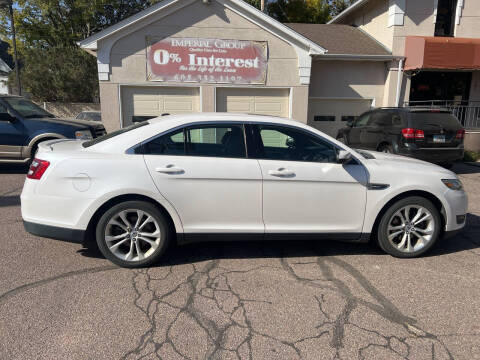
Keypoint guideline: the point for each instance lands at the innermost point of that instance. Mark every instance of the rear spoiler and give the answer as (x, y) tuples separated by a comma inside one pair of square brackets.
[(47, 145)]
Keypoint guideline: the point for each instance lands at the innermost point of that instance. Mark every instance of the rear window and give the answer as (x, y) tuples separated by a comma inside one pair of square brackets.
[(446, 120), (113, 134)]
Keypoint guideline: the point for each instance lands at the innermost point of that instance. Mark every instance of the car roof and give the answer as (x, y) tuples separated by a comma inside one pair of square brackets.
[(417, 109), (221, 116)]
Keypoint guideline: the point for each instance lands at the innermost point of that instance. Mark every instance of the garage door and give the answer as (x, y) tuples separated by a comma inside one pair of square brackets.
[(330, 115), (254, 101), (142, 103)]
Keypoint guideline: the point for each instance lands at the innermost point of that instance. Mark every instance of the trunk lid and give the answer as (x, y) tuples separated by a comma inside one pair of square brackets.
[(440, 128)]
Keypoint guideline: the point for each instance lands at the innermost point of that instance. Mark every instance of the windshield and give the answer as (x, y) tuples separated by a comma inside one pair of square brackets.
[(113, 134), (26, 108)]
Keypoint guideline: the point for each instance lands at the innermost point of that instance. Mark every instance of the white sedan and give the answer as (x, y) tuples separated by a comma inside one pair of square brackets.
[(224, 176)]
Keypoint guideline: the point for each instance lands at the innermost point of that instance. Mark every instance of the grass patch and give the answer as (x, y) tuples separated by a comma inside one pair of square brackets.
[(471, 156)]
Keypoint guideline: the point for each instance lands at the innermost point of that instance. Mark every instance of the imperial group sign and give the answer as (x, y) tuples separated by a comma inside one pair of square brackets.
[(207, 60)]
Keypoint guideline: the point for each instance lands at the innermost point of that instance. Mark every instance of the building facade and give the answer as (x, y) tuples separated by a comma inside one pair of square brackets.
[(225, 55), (440, 41)]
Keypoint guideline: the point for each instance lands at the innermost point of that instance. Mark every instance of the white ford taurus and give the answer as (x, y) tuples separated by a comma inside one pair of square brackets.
[(227, 176)]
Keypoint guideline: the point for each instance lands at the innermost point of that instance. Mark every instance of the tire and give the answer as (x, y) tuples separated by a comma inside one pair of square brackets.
[(386, 148), (125, 250), (407, 243)]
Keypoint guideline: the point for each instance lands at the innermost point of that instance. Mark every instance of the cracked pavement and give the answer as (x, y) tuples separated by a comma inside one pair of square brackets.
[(264, 300)]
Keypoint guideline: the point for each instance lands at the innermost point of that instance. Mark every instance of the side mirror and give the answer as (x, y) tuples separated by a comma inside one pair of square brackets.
[(6, 117), (344, 156), (350, 123)]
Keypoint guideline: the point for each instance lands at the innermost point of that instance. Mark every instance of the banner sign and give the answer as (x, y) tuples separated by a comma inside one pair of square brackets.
[(207, 60)]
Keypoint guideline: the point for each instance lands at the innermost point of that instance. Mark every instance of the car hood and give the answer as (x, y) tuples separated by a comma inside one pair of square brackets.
[(398, 163), (73, 122)]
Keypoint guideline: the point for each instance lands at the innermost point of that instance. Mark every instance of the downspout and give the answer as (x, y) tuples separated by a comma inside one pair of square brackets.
[(399, 82)]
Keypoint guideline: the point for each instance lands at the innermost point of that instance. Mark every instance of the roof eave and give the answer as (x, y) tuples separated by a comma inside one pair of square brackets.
[(357, 57), (347, 11)]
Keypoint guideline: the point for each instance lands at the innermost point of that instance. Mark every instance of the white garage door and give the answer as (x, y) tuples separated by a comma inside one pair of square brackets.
[(141, 103), (330, 115), (254, 101)]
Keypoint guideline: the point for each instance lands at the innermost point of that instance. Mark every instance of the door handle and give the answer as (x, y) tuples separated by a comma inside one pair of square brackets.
[(169, 169), (282, 172)]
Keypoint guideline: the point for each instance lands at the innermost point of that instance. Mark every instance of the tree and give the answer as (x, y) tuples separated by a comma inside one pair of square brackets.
[(54, 68), (299, 11), (337, 6)]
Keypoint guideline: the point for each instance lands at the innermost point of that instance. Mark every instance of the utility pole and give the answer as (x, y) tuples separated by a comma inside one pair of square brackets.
[(9, 4)]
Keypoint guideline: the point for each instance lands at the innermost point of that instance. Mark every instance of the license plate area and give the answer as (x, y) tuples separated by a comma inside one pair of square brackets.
[(438, 139)]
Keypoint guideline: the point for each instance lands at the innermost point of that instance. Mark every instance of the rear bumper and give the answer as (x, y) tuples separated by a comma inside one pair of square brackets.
[(434, 155), (53, 232)]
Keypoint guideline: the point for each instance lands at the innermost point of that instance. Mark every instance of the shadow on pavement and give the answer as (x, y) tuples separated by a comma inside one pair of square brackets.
[(469, 239), (464, 168), (10, 200), (13, 169)]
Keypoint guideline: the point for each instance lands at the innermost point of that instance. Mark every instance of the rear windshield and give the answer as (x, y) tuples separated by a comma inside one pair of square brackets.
[(443, 119), (113, 134)]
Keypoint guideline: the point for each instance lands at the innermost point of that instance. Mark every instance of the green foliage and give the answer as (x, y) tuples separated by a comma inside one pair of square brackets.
[(53, 67), (471, 156)]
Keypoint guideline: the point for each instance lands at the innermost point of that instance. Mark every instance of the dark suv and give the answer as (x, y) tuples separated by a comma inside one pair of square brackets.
[(433, 135), (23, 125)]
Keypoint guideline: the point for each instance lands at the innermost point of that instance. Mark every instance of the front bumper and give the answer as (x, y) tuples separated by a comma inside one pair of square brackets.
[(433, 155), (54, 232)]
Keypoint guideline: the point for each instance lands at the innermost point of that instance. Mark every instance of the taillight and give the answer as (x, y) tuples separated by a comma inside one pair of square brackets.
[(419, 134), (37, 169), (410, 133), (460, 134)]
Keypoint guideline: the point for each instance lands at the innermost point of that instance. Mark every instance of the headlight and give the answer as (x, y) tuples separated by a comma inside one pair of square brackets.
[(83, 135), (453, 184)]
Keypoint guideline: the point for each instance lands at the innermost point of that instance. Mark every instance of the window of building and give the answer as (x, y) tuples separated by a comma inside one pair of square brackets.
[(324, 118), (286, 143), (445, 23)]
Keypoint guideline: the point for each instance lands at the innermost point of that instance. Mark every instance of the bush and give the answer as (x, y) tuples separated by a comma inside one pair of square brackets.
[(471, 156)]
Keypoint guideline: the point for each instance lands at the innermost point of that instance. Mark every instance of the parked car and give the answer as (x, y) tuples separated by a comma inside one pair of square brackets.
[(433, 135), (90, 115), (222, 176), (23, 125)]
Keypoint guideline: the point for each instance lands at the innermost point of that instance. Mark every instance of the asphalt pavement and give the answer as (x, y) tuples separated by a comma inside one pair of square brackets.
[(267, 300)]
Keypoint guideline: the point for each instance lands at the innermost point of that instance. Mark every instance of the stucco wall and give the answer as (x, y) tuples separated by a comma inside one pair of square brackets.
[(128, 55), (348, 79), (373, 19), (470, 21)]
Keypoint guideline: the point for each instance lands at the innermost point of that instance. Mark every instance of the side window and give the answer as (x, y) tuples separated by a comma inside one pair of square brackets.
[(169, 144), (216, 141), (286, 143), (362, 120), (380, 119), (3, 109)]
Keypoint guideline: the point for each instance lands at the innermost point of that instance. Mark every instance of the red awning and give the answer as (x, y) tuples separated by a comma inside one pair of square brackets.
[(442, 53)]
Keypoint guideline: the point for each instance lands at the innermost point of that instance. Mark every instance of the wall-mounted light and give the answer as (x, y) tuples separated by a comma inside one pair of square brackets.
[(206, 2)]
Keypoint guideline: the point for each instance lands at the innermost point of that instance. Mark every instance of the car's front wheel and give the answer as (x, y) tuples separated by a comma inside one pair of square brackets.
[(409, 228), (133, 234)]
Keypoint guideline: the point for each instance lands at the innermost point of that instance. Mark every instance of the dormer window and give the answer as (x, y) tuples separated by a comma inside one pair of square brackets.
[(445, 24)]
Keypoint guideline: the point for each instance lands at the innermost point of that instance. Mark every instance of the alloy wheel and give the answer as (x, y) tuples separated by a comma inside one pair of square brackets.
[(132, 235), (411, 228)]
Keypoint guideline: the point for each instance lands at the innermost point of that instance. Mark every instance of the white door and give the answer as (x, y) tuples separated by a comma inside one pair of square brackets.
[(254, 101), (331, 115), (204, 173), (142, 103), (305, 190)]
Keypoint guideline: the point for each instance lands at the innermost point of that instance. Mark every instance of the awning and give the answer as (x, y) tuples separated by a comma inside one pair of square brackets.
[(442, 53)]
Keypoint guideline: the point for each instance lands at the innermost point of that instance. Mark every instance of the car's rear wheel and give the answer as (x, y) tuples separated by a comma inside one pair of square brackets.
[(409, 228), (133, 234)]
